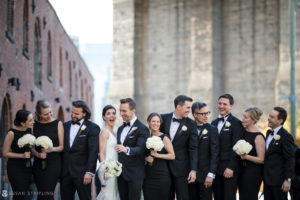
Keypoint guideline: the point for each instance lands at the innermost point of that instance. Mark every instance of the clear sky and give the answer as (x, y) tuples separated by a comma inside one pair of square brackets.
[(90, 20)]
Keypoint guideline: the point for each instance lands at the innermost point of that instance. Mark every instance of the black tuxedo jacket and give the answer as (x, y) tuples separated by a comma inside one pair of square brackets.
[(279, 159), (82, 156), (134, 164), (208, 152), (227, 139), (185, 145)]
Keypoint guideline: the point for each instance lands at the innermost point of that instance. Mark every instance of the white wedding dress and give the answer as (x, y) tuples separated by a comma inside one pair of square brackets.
[(110, 191)]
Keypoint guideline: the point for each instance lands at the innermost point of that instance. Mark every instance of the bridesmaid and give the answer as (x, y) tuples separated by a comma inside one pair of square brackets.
[(45, 125), (251, 173), (158, 181), (19, 175)]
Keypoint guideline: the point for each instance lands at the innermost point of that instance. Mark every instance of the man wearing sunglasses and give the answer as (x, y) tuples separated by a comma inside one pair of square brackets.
[(208, 154)]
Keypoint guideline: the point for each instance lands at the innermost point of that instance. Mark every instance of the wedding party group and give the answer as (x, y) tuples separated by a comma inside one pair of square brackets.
[(172, 157)]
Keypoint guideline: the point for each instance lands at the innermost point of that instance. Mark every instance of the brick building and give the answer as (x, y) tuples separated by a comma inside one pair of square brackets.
[(38, 60)]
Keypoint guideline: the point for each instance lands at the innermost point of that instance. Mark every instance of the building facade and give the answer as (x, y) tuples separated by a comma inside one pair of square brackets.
[(38, 60), (201, 48)]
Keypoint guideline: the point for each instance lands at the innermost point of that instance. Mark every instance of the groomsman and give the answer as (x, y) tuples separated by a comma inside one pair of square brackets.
[(279, 158), (230, 131), (131, 138), (79, 158), (183, 134), (208, 154)]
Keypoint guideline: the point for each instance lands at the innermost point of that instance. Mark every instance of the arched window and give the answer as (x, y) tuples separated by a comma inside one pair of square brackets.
[(10, 20), (5, 124), (37, 55), (25, 29), (60, 115), (60, 68), (76, 86), (49, 58), (70, 80)]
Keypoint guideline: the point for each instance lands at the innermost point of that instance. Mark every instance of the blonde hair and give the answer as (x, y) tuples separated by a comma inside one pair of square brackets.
[(255, 113), (41, 104)]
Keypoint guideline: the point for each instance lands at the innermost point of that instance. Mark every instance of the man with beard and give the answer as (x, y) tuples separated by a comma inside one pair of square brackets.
[(81, 145)]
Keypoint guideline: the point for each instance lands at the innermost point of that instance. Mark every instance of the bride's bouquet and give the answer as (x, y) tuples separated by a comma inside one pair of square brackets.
[(111, 168), (242, 147), (154, 143), (45, 142), (27, 141)]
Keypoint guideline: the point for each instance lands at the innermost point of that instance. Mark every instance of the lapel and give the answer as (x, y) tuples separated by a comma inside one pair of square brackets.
[(200, 136), (135, 124), (228, 120), (67, 134), (80, 132), (182, 122), (119, 134), (168, 124), (271, 145)]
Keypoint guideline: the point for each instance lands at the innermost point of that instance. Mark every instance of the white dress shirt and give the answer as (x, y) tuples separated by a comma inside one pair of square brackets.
[(74, 130), (173, 127), (221, 123), (126, 130), (270, 137)]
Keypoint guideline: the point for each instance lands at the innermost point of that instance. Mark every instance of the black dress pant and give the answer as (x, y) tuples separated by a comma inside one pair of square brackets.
[(225, 188), (68, 186), (129, 190), (274, 193), (179, 186), (198, 191)]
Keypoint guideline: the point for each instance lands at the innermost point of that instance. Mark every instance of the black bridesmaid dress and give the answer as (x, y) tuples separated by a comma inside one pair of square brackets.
[(19, 175), (47, 178), (251, 174), (157, 181)]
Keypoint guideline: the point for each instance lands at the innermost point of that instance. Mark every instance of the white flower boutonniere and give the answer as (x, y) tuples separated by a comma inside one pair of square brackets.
[(276, 138), (133, 129), (227, 124), (204, 132), (83, 127), (183, 128)]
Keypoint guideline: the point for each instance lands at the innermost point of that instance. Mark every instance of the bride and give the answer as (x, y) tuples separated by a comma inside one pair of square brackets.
[(108, 140)]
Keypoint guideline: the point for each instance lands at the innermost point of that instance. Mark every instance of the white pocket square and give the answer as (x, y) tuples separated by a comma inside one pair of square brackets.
[(205, 137), (131, 136), (82, 135)]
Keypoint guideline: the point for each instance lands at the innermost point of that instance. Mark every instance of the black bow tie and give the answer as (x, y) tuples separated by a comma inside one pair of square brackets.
[(176, 120), (221, 119), (200, 126), (126, 124), (271, 132), (76, 123)]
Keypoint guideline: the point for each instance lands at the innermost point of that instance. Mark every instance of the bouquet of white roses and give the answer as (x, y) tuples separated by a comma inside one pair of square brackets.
[(111, 168), (155, 143), (27, 141), (45, 142), (242, 147)]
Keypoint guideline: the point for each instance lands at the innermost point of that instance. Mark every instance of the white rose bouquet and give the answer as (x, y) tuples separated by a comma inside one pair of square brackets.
[(27, 141), (45, 142), (242, 147), (154, 143), (111, 168)]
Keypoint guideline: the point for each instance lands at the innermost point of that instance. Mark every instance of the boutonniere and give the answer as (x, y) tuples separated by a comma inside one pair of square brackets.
[(83, 127), (227, 124), (133, 129), (204, 132), (276, 138), (183, 128)]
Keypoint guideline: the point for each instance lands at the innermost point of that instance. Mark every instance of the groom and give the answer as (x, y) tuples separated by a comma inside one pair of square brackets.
[(131, 138), (79, 158), (183, 133)]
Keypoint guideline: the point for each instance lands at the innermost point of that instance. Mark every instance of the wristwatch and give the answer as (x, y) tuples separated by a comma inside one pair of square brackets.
[(289, 179)]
